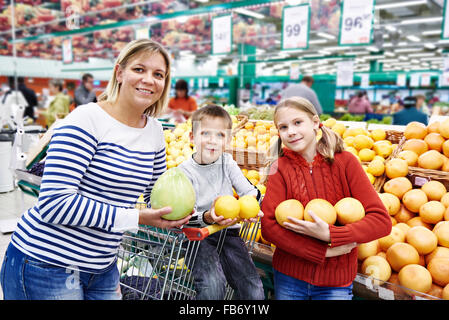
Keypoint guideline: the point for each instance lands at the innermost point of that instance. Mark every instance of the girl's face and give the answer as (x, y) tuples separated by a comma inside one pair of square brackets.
[(210, 139), (180, 93), (142, 80), (297, 130)]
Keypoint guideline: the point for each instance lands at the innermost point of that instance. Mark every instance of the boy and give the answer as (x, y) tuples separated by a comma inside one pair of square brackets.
[(214, 173)]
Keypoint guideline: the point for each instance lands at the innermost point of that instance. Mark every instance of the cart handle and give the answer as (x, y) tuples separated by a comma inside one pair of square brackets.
[(194, 234)]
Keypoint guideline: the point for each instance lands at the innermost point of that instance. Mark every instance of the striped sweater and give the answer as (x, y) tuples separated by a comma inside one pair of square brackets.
[(95, 170)]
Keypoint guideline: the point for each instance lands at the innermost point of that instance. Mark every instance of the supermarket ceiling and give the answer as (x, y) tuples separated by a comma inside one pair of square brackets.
[(406, 33)]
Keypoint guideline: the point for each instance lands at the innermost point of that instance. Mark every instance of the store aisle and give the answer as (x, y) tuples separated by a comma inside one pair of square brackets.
[(12, 204)]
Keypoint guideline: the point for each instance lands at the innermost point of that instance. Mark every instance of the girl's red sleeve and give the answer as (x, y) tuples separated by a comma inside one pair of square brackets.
[(376, 223), (294, 243)]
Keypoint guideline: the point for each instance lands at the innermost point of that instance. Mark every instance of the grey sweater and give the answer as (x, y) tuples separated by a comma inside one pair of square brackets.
[(213, 180)]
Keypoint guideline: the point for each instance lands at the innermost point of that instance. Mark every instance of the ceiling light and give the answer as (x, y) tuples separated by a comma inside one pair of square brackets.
[(317, 41), (413, 38), (400, 4), (429, 46), (326, 35), (372, 49), (431, 32), (421, 55), (422, 20), (390, 28), (407, 50), (249, 13), (389, 54)]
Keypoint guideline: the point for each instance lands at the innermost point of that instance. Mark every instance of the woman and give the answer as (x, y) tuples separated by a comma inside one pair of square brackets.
[(101, 157), (182, 105), (59, 106)]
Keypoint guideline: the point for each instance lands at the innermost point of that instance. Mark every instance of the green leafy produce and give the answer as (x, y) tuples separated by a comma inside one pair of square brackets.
[(173, 189), (324, 117), (387, 120)]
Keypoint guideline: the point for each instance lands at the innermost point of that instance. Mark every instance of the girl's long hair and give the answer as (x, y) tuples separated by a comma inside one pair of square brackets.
[(330, 142), (132, 49)]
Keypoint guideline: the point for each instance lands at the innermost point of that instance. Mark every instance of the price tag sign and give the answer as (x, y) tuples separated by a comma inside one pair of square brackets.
[(356, 22), (142, 33), (345, 73), (401, 80), (67, 51), (445, 23), (295, 27), (222, 34)]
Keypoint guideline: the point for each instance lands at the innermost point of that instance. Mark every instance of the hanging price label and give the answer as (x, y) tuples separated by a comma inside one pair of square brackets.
[(356, 22), (295, 27), (221, 34), (67, 51)]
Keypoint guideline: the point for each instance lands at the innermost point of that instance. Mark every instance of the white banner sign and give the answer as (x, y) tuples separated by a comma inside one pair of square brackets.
[(444, 78), (356, 22), (401, 80), (295, 27), (414, 80), (294, 71), (67, 52), (364, 80), (425, 79), (445, 24), (345, 73), (221, 34)]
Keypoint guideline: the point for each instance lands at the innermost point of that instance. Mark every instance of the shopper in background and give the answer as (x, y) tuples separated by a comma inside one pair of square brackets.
[(409, 113), (360, 104), (214, 173), (182, 105), (59, 106), (304, 90), (421, 104), (101, 158), (84, 93), (30, 97), (314, 260)]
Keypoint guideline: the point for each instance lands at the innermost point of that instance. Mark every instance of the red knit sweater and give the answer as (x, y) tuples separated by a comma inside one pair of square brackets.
[(301, 256)]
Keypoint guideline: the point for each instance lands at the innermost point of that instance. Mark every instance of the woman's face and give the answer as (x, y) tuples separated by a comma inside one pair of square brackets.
[(180, 93), (53, 90), (142, 80)]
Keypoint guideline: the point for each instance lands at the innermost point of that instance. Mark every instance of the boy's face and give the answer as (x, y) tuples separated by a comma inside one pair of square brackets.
[(210, 138)]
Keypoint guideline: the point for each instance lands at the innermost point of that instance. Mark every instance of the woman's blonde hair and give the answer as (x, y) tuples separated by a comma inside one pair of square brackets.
[(131, 50), (330, 142)]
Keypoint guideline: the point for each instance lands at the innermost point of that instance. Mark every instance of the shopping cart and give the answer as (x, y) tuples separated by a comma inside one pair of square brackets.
[(155, 264)]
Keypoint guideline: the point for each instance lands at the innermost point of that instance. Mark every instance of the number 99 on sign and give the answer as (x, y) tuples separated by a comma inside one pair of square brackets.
[(292, 30), (353, 23)]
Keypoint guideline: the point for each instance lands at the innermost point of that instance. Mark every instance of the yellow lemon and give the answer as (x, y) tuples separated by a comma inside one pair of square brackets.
[(330, 122), (362, 141), (227, 206), (249, 207), (253, 174), (371, 177), (261, 188), (378, 134), (349, 141), (339, 128), (366, 154), (376, 167)]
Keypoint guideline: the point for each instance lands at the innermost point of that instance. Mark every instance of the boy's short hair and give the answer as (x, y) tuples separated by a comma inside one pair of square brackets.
[(213, 111)]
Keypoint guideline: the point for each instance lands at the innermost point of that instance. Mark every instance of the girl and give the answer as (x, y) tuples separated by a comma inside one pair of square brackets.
[(101, 157), (314, 260)]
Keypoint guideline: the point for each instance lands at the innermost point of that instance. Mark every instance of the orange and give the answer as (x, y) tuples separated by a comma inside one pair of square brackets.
[(410, 156), (439, 269), (365, 250), (401, 254), (391, 202), (431, 159), (434, 127), (377, 267), (424, 240), (434, 141), (434, 190), (349, 210), (403, 215), (414, 199), (396, 168), (396, 235), (249, 207), (415, 277), (432, 212), (289, 208), (323, 209), (415, 130), (227, 206), (439, 252), (398, 186), (403, 226), (445, 293), (418, 146), (417, 221), (441, 230), (445, 148)]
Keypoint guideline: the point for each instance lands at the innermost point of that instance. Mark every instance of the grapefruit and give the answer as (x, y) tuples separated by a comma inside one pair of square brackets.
[(398, 186), (391, 202), (445, 294), (418, 146), (403, 215), (444, 128), (415, 130), (249, 207), (424, 240), (403, 226), (445, 148), (227, 206), (289, 208), (323, 209), (414, 199), (396, 235), (410, 156), (416, 221), (434, 127), (431, 159), (377, 267), (396, 168), (349, 210), (401, 254), (432, 212), (441, 230), (445, 199), (415, 277), (434, 190), (368, 249), (434, 141), (439, 252), (439, 269)]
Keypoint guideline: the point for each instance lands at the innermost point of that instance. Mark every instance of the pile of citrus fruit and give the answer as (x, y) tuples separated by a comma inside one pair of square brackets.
[(416, 252), (255, 136)]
